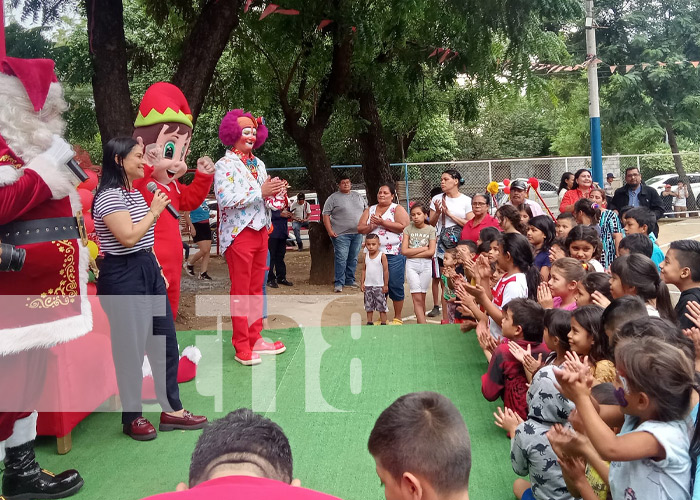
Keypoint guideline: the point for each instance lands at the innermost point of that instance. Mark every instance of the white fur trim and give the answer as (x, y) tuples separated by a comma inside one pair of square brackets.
[(192, 353), (23, 431), (58, 178), (146, 368), (9, 175)]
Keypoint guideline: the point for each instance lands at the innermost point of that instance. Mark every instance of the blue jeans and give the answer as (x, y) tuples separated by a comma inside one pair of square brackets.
[(296, 227), (346, 247), (397, 276)]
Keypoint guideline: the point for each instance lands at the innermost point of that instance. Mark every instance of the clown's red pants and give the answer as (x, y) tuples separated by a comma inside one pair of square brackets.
[(246, 259)]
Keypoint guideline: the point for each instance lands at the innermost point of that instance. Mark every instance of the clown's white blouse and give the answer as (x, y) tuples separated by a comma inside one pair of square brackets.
[(240, 199)]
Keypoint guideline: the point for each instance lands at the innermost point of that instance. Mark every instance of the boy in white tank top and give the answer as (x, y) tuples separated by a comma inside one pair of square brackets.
[(375, 280)]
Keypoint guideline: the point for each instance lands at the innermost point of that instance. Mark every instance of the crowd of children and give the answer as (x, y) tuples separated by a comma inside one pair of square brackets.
[(595, 367)]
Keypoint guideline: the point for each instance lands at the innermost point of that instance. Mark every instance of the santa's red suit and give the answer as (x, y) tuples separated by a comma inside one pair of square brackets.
[(164, 125), (45, 303)]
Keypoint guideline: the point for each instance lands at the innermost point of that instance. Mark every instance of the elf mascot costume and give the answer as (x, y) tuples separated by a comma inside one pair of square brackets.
[(164, 125), (45, 302)]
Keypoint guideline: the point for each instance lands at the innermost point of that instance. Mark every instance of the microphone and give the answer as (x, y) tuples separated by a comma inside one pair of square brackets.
[(151, 186), (76, 170)]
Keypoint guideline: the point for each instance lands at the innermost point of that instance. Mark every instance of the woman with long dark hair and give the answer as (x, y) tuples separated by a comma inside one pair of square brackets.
[(448, 209), (387, 219), (132, 292), (565, 184)]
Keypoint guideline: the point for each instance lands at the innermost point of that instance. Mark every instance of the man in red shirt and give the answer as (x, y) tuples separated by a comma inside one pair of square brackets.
[(242, 455)]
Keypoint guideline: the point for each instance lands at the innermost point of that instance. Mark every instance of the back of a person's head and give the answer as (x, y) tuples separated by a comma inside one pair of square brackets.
[(242, 440), (528, 315), (656, 327), (687, 253), (622, 310), (423, 433), (489, 234), (637, 243), (643, 216)]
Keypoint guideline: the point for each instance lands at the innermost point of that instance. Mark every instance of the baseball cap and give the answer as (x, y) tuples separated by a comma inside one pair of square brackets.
[(610, 175), (519, 184)]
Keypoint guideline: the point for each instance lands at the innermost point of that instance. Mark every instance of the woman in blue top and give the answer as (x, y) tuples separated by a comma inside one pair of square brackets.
[(198, 226)]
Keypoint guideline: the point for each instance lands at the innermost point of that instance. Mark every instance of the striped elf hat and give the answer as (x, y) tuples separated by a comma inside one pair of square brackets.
[(163, 103)]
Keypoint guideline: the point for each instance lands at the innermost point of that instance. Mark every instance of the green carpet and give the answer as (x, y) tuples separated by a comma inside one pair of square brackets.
[(327, 417)]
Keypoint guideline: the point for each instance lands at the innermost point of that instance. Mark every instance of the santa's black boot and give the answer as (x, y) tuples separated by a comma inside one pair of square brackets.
[(24, 479)]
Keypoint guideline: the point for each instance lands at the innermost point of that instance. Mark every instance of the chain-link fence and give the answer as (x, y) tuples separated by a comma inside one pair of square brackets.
[(415, 181)]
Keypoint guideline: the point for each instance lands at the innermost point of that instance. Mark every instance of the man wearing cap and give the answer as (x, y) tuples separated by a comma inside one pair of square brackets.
[(609, 188), (518, 196), (164, 125)]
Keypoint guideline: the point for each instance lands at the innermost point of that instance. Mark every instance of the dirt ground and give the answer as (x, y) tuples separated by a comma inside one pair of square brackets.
[(290, 306), (287, 306)]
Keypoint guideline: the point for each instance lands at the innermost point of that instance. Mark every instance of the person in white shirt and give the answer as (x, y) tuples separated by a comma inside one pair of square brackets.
[(301, 210)]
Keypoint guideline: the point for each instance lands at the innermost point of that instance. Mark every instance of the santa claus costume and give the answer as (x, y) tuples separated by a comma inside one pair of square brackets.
[(164, 125), (246, 194), (45, 303)]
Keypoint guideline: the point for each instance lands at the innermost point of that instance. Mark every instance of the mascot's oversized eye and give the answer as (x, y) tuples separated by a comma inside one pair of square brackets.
[(169, 150)]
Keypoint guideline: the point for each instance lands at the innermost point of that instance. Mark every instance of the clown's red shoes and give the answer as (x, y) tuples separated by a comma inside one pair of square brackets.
[(262, 347)]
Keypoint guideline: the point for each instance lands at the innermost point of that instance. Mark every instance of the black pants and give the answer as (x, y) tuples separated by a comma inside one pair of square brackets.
[(132, 293), (278, 249)]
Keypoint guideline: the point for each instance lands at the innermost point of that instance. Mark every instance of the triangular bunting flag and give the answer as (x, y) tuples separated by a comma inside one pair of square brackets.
[(268, 10), (645, 65), (662, 64), (324, 23), (287, 12), (247, 5), (612, 69), (444, 56), (695, 63), (629, 68), (433, 53)]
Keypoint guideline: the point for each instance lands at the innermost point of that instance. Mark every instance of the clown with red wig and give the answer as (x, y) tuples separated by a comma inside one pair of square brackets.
[(246, 194)]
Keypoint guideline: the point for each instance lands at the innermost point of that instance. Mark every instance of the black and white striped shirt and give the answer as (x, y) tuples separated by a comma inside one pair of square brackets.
[(115, 200)]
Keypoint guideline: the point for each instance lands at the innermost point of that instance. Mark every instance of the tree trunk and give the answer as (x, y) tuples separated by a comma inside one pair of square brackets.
[(678, 163), (110, 86), (202, 50), (322, 254), (403, 142), (375, 166), (308, 141)]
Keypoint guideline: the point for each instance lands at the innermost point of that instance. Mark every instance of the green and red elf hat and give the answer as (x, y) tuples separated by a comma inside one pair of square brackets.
[(163, 103)]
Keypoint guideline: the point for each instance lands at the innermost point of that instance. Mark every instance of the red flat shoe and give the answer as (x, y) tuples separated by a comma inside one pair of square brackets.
[(187, 422), (248, 358), (140, 430), (268, 348)]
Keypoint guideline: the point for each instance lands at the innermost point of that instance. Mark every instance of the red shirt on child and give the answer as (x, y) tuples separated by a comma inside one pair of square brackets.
[(506, 378)]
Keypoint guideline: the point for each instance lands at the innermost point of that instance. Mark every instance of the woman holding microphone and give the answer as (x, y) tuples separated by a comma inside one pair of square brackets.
[(132, 292)]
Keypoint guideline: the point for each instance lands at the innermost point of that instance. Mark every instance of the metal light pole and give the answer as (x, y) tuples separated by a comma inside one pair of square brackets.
[(593, 101)]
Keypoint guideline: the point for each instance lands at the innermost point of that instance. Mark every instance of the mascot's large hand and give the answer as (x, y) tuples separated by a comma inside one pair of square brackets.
[(51, 166), (205, 165)]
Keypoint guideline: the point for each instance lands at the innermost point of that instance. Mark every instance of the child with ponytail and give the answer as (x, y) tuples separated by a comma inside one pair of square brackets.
[(520, 280), (636, 274)]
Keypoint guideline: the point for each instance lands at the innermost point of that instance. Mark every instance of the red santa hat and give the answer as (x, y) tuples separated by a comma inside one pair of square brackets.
[(36, 76)]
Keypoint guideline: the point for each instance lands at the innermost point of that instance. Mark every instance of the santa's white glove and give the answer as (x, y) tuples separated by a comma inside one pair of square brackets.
[(60, 151)]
